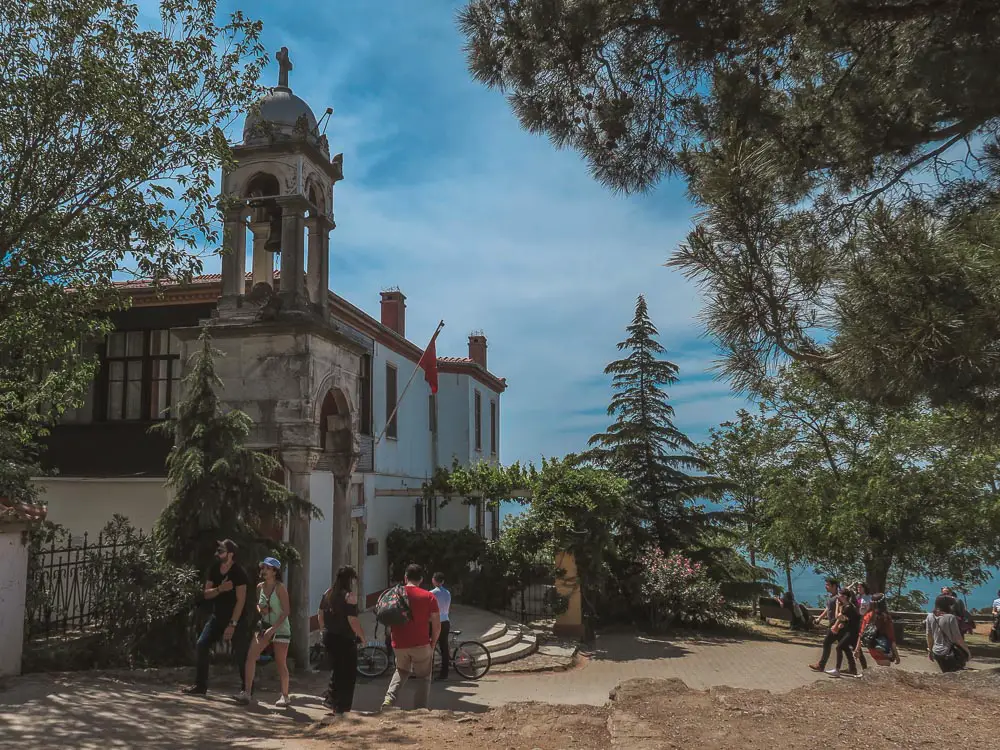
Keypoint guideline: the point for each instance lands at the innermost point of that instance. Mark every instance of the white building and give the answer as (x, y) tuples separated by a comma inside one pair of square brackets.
[(318, 376)]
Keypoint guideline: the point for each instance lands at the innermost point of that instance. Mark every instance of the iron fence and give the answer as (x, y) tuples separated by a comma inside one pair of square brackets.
[(532, 603), (68, 580)]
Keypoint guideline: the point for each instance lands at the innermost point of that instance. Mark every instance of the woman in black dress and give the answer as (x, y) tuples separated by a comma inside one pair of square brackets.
[(338, 618), (849, 621)]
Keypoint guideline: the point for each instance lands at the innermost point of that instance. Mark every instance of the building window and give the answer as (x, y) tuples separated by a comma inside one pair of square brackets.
[(142, 373), (481, 517), (418, 517), (493, 427), (390, 402), (496, 523), (365, 384), (165, 372), (432, 413), (479, 420)]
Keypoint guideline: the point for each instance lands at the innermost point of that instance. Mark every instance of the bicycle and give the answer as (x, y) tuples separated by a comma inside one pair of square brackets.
[(471, 659)]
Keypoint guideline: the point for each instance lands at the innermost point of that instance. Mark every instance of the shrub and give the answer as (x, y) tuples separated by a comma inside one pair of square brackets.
[(680, 592), (139, 604)]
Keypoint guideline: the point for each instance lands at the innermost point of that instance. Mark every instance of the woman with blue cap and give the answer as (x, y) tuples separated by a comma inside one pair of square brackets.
[(272, 604)]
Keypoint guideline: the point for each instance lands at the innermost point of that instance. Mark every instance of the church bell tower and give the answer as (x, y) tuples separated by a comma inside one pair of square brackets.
[(281, 188)]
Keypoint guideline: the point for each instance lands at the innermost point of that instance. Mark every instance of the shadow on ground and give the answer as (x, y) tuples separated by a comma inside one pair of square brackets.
[(88, 711)]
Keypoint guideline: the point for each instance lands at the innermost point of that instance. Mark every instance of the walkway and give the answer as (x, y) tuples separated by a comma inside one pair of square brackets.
[(88, 710)]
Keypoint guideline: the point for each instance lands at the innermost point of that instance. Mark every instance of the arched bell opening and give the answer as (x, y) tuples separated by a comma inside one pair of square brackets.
[(265, 225)]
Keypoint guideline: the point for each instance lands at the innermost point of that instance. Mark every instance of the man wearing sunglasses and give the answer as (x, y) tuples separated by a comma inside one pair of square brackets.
[(226, 587)]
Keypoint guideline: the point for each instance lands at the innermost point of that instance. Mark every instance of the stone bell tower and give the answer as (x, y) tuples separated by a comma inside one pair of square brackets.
[(291, 367), (282, 187)]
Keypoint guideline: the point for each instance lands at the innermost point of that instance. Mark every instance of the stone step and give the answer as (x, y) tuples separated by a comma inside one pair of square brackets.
[(508, 639), (526, 646), (495, 633)]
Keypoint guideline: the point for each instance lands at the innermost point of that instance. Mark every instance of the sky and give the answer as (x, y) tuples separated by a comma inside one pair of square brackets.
[(484, 225)]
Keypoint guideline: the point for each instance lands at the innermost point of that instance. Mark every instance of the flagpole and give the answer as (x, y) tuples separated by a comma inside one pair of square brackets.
[(407, 386)]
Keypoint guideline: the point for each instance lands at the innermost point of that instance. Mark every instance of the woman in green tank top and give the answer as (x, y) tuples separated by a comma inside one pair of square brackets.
[(272, 604)]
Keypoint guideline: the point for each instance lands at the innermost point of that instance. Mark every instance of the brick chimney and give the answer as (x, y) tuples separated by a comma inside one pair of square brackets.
[(477, 349), (394, 311)]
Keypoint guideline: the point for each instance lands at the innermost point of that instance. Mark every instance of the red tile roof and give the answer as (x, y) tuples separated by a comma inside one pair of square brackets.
[(15, 512), (211, 279)]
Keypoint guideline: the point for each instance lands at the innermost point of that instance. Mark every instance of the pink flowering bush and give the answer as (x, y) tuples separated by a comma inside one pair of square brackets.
[(679, 592)]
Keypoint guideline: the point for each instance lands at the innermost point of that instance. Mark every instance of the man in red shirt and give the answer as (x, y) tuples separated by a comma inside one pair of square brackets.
[(414, 642)]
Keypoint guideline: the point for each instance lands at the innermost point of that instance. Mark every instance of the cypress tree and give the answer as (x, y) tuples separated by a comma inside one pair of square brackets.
[(645, 447)]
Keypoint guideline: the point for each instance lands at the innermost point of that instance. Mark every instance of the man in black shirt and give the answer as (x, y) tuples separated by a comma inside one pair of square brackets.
[(225, 584), (830, 615)]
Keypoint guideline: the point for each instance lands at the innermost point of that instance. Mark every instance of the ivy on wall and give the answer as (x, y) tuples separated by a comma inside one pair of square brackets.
[(482, 480)]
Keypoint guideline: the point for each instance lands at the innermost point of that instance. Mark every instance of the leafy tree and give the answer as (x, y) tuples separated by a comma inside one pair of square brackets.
[(221, 488), (866, 488), (645, 447), (576, 509), (111, 137), (745, 452), (845, 156)]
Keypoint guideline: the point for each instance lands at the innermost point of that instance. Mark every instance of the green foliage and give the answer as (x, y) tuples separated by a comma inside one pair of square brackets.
[(861, 488), (844, 156), (581, 510), (680, 592), (645, 447), (446, 551), (850, 93), (110, 145), (140, 603), (221, 489), (482, 480), (912, 601), (511, 564)]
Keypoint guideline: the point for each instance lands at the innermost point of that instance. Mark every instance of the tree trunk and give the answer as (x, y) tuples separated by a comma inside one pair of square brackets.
[(788, 575), (877, 573), (753, 563)]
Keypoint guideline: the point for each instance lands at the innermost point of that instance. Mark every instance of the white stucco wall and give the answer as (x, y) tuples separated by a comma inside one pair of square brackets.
[(13, 579), (409, 454), (87, 505), (453, 418)]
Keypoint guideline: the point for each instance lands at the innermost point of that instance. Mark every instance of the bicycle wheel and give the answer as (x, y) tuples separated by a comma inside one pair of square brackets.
[(472, 660), (373, 661)]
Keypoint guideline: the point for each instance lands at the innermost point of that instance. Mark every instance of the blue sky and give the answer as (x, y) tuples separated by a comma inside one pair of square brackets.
[(485, 225)]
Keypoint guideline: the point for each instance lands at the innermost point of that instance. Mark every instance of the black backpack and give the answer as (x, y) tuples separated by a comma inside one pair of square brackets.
[(869, 635), (393, 607)]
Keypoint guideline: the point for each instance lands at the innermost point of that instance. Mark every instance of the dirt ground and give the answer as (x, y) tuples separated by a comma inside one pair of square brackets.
[(890, 709), (745, 692), (886, 709)]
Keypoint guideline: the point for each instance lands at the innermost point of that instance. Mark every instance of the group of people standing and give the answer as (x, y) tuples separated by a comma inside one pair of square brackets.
[(859, 621), (412, 643)]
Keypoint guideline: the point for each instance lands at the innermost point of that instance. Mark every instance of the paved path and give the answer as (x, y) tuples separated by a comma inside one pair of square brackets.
[(86, 710)]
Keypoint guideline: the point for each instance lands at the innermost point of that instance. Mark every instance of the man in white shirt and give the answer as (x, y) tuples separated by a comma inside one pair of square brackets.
[(996, 604), (444, 605)]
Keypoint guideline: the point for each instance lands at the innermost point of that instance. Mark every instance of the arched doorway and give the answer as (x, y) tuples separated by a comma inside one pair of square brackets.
[(339, 444)]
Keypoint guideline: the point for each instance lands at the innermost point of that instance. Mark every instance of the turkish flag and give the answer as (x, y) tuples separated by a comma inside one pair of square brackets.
[(429, 363)]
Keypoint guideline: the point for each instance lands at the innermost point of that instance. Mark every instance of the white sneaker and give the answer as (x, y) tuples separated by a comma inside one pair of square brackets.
[(833, 672), (242, 698), (283, 702)]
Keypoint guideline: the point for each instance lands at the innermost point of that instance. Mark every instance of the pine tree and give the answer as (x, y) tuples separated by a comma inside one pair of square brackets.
[(645, 447), (221, 488)]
